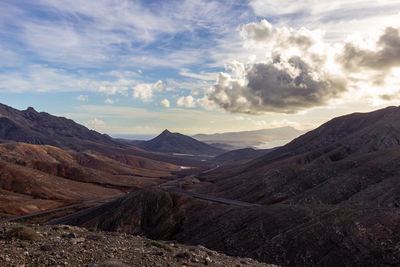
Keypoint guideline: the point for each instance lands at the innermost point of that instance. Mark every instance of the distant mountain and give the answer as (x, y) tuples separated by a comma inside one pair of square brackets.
[(41, 128), (176, 143), (351, 159), (265, 138)]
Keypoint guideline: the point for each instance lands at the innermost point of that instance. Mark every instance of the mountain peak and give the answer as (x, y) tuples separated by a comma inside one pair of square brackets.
[(31, 126), (166, 132), (168, 142), (31, 109)]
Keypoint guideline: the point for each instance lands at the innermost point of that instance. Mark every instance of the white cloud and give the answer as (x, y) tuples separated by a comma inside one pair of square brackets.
[(110, 101), (103, 33), (201, 76), (144, 91), (186, 101), (41, 78), (95, 124), (206, 103), (296, 73), (300, 70), (315, 7), (82, 98), (164, 103)]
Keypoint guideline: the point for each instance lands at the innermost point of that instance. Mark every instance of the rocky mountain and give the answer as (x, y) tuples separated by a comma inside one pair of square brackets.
[(287, 235), (176, 143), (329, 197), (350, 159), (264, 138), (41, 128)]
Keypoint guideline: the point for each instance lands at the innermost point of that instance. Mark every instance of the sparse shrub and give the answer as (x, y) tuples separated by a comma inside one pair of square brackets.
[(23, 233), (159, 245)]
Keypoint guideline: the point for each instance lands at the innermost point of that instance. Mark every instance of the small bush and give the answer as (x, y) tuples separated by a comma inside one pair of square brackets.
[(23, 233), (159, 245)]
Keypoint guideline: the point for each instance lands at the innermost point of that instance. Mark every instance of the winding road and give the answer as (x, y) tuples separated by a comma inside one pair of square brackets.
[(44, 212), (111, 198)]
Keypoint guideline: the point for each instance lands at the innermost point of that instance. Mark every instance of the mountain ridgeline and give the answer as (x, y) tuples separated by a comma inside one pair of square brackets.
[(350, 159), (40, 128)]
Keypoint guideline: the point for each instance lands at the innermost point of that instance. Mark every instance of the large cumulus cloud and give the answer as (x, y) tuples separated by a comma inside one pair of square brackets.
[(294, 74), (384, 55), (299, 70), (284, 87)]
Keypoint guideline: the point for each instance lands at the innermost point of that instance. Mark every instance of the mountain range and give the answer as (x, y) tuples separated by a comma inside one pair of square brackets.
[(264, 138), (329, 197), (348, 159), (48, 161)]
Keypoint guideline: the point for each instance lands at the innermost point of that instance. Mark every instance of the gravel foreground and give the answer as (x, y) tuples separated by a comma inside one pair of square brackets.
[(64, 245)]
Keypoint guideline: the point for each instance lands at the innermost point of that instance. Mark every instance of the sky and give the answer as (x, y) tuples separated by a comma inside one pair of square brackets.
[(126, 67)]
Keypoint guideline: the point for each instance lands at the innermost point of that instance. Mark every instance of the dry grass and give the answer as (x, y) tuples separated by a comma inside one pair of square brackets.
[(159, 245), (22, 233)]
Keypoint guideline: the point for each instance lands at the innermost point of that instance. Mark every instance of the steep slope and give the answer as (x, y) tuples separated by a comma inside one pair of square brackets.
[(241, 155), (283, 234), (36, 177), (264, 138), (356, 133), (168, 142), (348, 159), (41, 128)]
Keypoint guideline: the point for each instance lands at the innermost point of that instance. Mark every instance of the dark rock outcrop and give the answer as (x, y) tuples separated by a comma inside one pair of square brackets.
[(282, 234)]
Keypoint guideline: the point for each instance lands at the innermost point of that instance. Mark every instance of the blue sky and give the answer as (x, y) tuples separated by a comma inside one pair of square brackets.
[(138, 67)]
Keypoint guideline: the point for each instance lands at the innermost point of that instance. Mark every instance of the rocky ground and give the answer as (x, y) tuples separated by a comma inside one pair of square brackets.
[(63, 245)]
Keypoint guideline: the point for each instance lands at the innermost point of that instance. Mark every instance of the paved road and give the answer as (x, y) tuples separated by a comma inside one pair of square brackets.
[(191, 194), (84, 204), (213, 199), (161, 186), (210, 170)]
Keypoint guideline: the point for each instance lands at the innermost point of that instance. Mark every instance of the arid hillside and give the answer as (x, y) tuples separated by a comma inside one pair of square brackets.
[(288, 235), (348, 160), (36, 177)]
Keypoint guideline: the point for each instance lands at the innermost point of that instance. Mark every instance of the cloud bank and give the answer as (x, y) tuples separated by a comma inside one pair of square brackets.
[(299, 70)]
